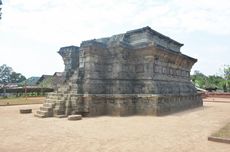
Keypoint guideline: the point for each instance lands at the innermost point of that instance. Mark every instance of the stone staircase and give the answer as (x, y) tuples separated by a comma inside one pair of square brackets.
[(55, 102), (48, 108), (45, 111)]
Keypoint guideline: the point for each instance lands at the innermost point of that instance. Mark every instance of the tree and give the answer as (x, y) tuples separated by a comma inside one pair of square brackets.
[(17, 77), (227, 72), (7, 75), (212, 82), (226, 84), (199, 79)]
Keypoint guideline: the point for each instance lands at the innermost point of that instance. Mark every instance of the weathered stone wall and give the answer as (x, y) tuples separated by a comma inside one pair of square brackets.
[(70, 57), (128, 71)]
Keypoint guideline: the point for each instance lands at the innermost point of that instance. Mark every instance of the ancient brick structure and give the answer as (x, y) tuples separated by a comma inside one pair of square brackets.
[(140, 72)]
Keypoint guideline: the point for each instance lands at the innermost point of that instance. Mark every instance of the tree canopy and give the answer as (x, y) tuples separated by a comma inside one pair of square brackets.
[(213, 81), (7, 75)]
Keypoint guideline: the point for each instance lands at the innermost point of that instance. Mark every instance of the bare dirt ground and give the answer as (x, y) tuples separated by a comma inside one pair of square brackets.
[(21, 101), (181, 132)]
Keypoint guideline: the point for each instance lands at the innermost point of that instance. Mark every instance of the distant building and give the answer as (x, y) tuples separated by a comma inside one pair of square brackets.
[(51, 81), (32, 81), (8, 85), (58, 79), (45, 81)]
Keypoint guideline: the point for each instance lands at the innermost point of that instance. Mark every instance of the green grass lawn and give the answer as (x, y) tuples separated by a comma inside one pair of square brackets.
[(21, 101), (223, 132)]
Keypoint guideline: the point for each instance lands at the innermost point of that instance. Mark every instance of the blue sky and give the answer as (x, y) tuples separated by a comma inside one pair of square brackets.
[(32, 31)]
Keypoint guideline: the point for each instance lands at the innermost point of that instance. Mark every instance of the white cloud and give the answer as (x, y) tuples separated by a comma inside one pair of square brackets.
[(95, 18)]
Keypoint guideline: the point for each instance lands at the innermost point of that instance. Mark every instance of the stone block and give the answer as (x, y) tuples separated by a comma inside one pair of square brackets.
[(74, 117), (25, 110)]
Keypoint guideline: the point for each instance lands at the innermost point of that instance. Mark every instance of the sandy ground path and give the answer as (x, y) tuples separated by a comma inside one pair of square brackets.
[(181, 132)]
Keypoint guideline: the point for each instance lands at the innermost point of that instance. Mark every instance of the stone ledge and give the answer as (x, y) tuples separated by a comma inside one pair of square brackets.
[(39, 115), (219, 139)]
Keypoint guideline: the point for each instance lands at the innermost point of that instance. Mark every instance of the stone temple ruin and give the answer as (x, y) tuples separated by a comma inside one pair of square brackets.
[(140, 72)]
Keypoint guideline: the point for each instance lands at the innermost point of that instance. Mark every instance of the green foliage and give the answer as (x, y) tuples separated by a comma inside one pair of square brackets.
[(32, 81), (199, 79), (17, 77), (213, 81), (227, 72), (223, 132), (7, 75), (226, 83)]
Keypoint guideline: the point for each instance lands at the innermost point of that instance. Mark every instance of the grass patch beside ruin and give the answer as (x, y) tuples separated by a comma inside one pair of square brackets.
[(223, 132), (223, 135), (21, 101)]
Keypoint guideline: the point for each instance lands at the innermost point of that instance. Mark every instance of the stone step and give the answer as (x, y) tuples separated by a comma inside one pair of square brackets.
[(74, 84), (60, 108), (60, 116), (63, 87), (51, 93), (45, 113), (48, 109), (55, 95), (62, 92), (48, 105), (74, 95), (40, 115), (41, 112), (74, 117), (52, 96), (73, 92), (51, 100)]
